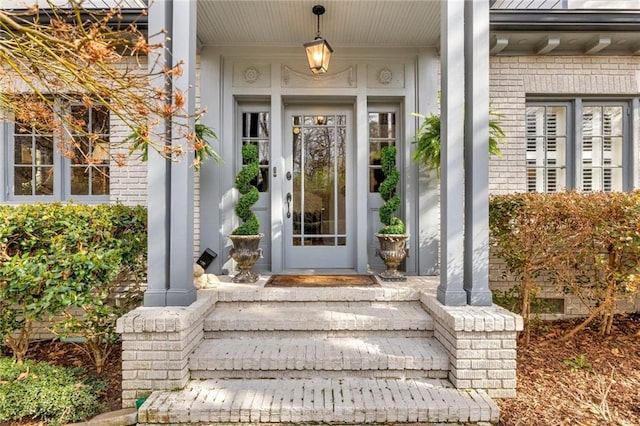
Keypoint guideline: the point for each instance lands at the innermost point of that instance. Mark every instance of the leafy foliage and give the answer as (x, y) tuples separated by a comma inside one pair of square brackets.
[(248, 192), (428, 142), (45, 392), (586, 244), (203, 150), (578, 362), (391, 223), (91, 57), (54, 257)]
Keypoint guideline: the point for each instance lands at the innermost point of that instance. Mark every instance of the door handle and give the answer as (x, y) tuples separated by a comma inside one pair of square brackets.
[(288, 205)]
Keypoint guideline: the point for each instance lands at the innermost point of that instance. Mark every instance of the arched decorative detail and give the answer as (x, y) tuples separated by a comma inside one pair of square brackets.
[(294, 78)]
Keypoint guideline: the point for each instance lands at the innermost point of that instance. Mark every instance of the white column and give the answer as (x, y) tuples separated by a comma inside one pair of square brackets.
[(450, 290), (171, 184), (158, 173), (181, 290), (476, 247)]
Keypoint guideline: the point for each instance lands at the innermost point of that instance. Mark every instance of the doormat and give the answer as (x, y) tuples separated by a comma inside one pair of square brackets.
[(321, 281)]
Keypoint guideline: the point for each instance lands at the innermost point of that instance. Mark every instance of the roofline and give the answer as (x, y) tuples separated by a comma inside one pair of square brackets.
[(129, 16), (584, 20)]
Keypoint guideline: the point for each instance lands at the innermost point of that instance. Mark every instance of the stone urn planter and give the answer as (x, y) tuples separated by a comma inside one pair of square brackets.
[(245, 252), (392, 251), (246, 237), (392, 236)]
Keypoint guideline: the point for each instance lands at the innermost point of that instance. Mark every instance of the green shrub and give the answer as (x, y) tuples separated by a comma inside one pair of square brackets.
[(248, 192), (390, 223), (54, 257), (45, 392)]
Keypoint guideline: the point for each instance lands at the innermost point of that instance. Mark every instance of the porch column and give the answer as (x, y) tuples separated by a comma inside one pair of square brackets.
[(450, 290), (476, 117), (170, 186)]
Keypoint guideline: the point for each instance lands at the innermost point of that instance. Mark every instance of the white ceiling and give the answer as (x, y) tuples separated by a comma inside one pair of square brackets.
[(390, 23)]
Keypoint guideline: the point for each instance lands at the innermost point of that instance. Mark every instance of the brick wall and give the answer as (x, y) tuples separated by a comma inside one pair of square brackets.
[(500, 279), (512, 78), (156, 344)]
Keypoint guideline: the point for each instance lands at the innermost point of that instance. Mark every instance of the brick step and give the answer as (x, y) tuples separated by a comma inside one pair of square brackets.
[(316, 357), (314, 294), (312, 401), (311, 317)]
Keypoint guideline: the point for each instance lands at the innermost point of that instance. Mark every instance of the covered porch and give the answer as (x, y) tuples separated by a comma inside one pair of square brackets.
[(433, 349), (448, 221)]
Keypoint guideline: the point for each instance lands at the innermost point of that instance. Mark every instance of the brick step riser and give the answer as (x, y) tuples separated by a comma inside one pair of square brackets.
[(298, 362), (327, 304), (310, 374), (314, 327), (320, 334), (343, 294)]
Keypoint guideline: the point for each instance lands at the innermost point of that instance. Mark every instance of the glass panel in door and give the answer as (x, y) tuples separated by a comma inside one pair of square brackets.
[(317, 217)]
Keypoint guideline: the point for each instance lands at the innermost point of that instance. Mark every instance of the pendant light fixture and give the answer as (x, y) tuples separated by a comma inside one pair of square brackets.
[(318, 51)]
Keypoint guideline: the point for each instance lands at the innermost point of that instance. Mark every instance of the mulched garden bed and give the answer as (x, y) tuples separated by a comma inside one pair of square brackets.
[(587, 380)]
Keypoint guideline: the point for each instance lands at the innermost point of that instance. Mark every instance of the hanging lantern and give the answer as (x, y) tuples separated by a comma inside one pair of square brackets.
[(318, 51)]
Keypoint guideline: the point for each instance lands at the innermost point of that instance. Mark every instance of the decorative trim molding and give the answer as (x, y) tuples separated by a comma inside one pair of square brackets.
[(251, 74), (345, 78), (385, 76)]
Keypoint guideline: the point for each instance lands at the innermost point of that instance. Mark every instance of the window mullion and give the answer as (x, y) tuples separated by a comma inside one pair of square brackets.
[(574, 149)]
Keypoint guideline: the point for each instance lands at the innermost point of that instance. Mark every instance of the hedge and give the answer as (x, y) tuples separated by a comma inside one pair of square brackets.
[(58, 256), (587, 244)]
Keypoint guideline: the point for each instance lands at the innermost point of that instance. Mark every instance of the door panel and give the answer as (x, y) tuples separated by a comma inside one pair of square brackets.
[(255, 128), (382, 132), (318, 189)]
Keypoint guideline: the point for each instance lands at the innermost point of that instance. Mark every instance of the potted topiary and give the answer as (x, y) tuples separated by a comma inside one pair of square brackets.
[(392, 236), (246, 237)]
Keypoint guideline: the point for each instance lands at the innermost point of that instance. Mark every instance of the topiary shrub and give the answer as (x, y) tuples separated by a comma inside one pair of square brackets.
[(41, 391), (248, 192), (390, 223)]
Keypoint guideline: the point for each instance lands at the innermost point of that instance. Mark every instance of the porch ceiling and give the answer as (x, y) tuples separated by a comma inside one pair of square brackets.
[(406, 23)]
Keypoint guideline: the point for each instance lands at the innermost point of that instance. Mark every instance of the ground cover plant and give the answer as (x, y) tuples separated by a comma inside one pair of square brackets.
[(39, 390)]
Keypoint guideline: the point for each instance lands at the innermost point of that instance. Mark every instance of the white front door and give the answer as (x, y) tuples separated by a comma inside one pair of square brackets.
[(318, 190)]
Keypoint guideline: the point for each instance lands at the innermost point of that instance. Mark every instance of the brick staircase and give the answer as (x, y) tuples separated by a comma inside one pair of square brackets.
[(319, 356)]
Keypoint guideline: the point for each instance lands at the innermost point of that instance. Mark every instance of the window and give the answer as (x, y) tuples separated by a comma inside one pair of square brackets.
[(90, 160), (255, 130), (546, 148), (59, 159), (579, 144), (382, 132)]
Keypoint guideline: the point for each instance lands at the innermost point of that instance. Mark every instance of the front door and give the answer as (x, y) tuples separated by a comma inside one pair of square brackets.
[(318, 190)]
